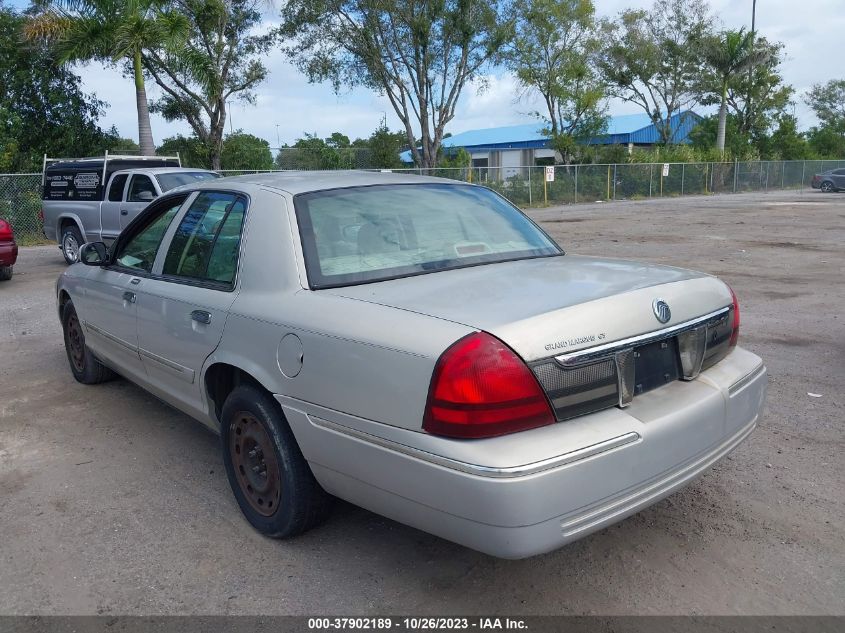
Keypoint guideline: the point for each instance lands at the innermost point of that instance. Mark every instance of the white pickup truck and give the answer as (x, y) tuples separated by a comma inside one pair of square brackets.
[(94, 199)]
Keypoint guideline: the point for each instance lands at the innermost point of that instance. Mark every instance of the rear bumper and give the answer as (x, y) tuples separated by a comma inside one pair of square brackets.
[(8, 253), (589, 473)]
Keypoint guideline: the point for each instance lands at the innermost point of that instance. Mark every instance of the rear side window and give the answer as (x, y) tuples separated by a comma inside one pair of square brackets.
[(839, 172), (118, 183), (207, 241), (141, 189)]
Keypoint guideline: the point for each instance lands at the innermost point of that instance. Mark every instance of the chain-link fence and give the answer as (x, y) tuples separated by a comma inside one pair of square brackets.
[(20, 204), (20, 194)]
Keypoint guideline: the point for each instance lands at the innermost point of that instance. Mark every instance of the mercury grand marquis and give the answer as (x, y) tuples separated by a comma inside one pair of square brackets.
[(418, 347)]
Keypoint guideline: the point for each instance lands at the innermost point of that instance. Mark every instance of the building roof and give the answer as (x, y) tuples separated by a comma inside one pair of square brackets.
[(628, 128)]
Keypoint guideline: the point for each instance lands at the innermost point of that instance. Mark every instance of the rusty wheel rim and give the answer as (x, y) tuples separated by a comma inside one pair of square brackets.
[(76, 343), (254, 461)]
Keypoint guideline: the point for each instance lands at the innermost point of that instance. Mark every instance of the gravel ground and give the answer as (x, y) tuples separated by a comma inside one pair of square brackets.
[(113, 503)]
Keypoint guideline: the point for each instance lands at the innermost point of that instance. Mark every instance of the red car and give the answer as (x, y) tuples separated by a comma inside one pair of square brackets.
[(8, 250)]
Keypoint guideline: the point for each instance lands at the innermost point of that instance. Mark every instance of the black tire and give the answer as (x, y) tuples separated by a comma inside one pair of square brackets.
[(271, 480), (70, 242), (827, 187), (5, 273), (83, 364)]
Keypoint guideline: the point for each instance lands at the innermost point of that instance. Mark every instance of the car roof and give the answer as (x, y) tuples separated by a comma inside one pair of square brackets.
[(295, 182), (163, 170)]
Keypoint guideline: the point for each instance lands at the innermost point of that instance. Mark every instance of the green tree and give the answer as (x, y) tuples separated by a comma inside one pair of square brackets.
[(650, 58), (220, 60), (420, 53), (116, 144), (311, 152), (786, 142), (246, 152), (192, 151), (111, 31), (42, 106), (385, 147), (759, 97), (828, 103), (551, 55), (727, 55)]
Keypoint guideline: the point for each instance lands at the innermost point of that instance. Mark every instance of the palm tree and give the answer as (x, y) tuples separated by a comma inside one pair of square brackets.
[(728, 54), (112, 31)]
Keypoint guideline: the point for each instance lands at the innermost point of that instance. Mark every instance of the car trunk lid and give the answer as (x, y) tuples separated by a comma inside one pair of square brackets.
[(553, 305)]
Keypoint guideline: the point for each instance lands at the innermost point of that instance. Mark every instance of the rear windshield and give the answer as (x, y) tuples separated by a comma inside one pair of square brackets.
[(178, 178), (363, 234)]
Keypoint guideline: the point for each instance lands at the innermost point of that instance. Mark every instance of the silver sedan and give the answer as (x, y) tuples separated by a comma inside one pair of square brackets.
[(418, 347)]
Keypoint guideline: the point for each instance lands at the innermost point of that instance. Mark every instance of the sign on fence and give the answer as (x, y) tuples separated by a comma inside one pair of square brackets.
[(665, 169), (550, 173)]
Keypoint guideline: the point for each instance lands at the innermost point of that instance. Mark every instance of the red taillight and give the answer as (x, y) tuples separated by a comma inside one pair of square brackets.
[(481, 388), (735, 331), (5, 230)]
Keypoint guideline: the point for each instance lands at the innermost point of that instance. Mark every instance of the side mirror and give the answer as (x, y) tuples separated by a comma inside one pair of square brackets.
[(145, 196), (94, 254)]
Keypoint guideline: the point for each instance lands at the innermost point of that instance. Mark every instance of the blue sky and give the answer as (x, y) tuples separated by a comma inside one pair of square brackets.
[(287, 105)]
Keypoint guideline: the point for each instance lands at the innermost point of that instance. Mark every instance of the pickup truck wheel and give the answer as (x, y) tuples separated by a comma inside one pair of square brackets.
[(5, 273), (83, 364), (270, 478), (70, 243)]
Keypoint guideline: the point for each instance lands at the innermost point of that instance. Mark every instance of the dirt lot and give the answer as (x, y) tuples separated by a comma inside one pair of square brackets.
[(111, 502)]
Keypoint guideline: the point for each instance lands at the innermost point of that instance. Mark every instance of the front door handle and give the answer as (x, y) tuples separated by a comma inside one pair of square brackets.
[(201, 316), (124, 212), (129, 296)]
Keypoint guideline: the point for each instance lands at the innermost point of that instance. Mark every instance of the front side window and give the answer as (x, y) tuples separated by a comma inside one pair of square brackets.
[(207, 241), (116, 189), (141, 189), (372, 233), (139, 252)]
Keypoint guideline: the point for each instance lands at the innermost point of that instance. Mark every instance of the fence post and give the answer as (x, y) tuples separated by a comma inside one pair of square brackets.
[(712, 169), (683, 176), (736, 169), (614, 181), (529, 185), (803, 167), (650, 177), (576, 183)]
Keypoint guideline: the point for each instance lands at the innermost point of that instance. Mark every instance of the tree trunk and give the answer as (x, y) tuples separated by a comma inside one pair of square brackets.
[(215, 138), (145, 133), (723, 119)]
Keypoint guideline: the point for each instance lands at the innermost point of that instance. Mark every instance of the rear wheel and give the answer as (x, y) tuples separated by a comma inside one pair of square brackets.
[(83, 364), (827, 187), (270, 478), (70, 242), (5, 273)]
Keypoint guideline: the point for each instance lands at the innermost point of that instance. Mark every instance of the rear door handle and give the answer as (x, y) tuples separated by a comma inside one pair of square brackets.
[(129, 296), (201, 316)]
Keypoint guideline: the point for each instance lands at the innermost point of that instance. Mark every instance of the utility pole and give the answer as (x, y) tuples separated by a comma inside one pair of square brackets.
[(278, 142), (751, 68)]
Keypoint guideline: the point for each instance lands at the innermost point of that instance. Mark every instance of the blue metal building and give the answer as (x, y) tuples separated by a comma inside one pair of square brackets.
[(519, 145)]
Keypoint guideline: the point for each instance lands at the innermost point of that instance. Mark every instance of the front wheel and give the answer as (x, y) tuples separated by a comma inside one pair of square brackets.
[(827, 187), (70, 242), (270, 478)]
